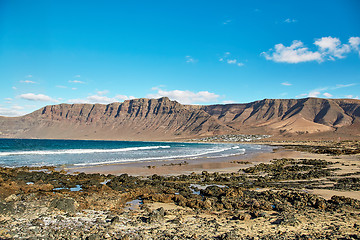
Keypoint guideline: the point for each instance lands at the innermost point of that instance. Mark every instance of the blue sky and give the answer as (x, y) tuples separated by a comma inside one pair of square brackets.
[(195, 52)]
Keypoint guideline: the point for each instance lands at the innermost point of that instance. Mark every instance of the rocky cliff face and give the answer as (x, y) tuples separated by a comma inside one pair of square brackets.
[(162, 119), (139, 119), (288, 116)]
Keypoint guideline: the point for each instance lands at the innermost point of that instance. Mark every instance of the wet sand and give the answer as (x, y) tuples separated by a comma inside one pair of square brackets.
[(185, 166)]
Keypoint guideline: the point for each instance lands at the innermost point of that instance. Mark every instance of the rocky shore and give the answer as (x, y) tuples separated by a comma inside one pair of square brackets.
[(277, 200)]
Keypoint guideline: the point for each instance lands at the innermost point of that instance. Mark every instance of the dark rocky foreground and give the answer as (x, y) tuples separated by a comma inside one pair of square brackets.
[(264, 201)]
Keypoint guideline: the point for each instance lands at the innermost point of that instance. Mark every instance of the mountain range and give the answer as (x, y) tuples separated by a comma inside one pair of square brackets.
[(162, 119)]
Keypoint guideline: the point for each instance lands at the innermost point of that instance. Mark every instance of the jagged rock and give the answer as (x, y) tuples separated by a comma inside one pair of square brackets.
[(64, 204), (6, 208), (156, 216), (38, 222)]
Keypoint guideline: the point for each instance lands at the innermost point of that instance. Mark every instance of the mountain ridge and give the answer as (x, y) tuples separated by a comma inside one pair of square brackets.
[(163, 119)]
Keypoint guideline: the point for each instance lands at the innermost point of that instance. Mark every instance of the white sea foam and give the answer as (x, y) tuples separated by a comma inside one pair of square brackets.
[(80, 151), (188, 156)]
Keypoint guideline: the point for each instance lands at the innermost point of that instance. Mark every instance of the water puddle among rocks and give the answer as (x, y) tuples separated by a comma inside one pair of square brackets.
[(77, 188), (105, 182), (133, 205)]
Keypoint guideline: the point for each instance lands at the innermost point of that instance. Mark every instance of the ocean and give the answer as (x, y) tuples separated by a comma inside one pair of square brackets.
[(44, 152)]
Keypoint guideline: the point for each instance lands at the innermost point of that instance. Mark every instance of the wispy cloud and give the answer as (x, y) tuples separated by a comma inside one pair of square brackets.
[(343, 85), (60, 86), (190, 59), (328, 48), (186, 97), (230, 60), (286, 84), (76, 81), (227, 22), (37, 97), (77, 76), (27, 81), (100, 97), (228, 101), (352, 96), (11, 111), (289, 20), (29, 76), (321, 91), (104, 92), (328, 95)]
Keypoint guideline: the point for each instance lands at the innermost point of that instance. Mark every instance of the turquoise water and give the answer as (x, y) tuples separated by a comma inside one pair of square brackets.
[(40, 152)]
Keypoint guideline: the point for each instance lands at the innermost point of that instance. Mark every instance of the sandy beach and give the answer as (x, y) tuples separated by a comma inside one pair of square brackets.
[(346, 164)]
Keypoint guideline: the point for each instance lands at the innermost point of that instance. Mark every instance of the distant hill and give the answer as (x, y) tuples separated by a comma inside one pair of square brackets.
[(163, 119)]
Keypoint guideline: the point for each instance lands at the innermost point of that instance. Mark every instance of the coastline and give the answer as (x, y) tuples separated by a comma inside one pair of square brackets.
[(175, 166), (291, 192)]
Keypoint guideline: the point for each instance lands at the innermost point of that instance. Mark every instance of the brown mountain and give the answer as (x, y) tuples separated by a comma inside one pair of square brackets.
[(163, 119)]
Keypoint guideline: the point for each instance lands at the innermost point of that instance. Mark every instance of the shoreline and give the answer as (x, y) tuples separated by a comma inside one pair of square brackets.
[(175, 166)]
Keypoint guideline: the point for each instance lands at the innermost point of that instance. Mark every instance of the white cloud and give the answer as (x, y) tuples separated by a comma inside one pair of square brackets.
[(190, 59), (100, 98), (289, 20), (355, 43), (8, 99), (27, 81), (60, 86), (36, 97), (227, 22), (102, 92), (226, 58), (351, 96), (321, 91), (15, 88), (286, 84), (295, 53), (186, 97), (17, 107), (124, 97), (228, 101), (11, 112), (328, 95), (332, 47), (302, 95), (343, 85), (74, 88), (314, 94), (29, 76), (76, 81), (77, 76), (328, 48)]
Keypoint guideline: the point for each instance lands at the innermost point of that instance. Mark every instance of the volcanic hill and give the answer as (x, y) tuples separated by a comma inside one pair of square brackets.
[(163, 119)]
